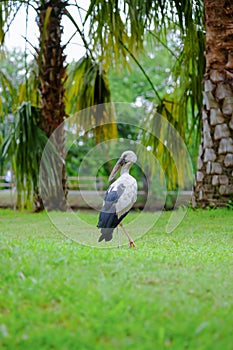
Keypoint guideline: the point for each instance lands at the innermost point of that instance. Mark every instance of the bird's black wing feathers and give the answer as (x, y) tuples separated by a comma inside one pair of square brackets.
[(108, 218), (113, 195)]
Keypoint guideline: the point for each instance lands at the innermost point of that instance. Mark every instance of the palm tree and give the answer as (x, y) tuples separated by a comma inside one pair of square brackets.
[(52, 77), (214, 178)]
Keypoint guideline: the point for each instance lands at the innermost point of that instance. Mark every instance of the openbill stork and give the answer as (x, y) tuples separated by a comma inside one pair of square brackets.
[(119, 199)]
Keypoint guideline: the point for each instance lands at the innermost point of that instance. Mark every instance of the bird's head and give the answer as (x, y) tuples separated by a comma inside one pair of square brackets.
[(126, 160)]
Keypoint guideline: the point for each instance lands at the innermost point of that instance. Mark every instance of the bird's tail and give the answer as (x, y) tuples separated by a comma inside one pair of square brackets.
[(106, 233)]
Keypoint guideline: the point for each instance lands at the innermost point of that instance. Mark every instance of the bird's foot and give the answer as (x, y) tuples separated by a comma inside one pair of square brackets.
[(132, 244)]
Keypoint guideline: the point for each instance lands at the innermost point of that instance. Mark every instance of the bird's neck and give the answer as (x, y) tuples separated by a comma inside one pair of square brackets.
[(125, 168)]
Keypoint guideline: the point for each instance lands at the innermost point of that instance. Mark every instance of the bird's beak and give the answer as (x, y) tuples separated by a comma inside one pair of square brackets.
[(117, 166)]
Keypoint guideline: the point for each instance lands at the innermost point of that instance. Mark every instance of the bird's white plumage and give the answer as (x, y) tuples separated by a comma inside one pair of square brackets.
[(129, 195)]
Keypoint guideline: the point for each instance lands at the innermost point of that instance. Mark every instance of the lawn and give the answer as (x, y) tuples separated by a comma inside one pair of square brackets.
[(174, 291)]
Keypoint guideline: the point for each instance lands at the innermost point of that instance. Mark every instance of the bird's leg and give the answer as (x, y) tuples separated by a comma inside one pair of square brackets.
[(131, 242), (118, 237)]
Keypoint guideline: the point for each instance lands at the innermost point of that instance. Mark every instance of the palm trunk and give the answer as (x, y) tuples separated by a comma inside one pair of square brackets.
[(52, 75), (214, 178)]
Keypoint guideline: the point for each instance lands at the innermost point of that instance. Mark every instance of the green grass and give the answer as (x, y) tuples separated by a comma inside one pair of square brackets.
[(173, 292)]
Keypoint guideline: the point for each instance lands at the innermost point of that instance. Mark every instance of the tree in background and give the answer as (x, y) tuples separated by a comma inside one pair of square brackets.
[(50, 82), (52, 76), (214, 178)]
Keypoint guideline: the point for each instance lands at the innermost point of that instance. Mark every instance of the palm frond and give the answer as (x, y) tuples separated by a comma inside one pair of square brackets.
[(17, 83), (168, 147), (24, 148), (122, 27), (89, 95), (111, 23), (29, 87), (7, 89), (8, 11)]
